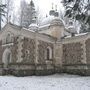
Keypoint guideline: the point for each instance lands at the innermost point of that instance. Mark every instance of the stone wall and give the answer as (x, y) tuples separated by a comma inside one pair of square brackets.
[(28, 50), (58, 57), (72, 53), (25, 66), (42, 47), (14, 49), (73, 57), (12, 46), (87, 44), (1, 50), (44, 66), (28, 65), (88, 50)]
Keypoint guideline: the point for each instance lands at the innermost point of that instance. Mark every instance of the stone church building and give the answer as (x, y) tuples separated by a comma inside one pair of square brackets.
[(43, 49)]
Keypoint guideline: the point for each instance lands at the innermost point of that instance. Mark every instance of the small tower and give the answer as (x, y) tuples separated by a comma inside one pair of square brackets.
[(52, 12), (56, 12), (56, 25)]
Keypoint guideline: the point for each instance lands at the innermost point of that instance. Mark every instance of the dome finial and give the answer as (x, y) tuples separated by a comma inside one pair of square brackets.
[(52, 11), (52, 5), (56, 7)]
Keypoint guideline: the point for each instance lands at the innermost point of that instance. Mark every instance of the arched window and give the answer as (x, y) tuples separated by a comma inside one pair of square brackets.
[(48, 53), (7, 57), (8, 38)]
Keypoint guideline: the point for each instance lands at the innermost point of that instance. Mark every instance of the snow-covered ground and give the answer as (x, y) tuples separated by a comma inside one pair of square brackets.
[(52, 82)]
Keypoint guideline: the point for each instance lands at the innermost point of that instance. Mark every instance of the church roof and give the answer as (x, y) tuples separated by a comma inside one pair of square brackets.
[(50, 20), (46, 20), (21, 31), (33, 26), (12, 25)]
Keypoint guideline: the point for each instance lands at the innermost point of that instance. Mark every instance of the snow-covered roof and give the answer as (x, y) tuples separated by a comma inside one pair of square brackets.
[(50, 20), (72, 29), (45, 27), (33, 26), (47, 20)]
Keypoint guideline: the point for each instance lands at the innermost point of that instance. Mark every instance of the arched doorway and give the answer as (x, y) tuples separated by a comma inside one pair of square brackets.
[(6, 59)]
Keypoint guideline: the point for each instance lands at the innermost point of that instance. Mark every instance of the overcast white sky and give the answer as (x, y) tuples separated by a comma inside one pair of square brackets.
[(44, 5)]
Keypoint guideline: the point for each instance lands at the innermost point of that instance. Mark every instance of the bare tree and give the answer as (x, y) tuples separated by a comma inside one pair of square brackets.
[(39, 16), (28, 13), (9, 9), (23, 13)]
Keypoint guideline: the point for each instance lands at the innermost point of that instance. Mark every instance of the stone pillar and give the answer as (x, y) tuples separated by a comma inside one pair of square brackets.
[(36, 49), (37, 65), (57, 31), (58, 57), (20, 43), (84, 52)]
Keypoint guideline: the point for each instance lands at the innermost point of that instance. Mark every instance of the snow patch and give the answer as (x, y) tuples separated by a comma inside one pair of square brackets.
[(53, 82)]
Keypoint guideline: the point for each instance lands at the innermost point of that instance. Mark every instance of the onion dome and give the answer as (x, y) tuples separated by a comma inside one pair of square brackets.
[(56, 14), (52, 12), (57, 21)]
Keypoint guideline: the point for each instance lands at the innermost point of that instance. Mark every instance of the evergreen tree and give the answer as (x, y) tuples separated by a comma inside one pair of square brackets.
[(2, 13), (23, 13), (27, 13), (78, 10)]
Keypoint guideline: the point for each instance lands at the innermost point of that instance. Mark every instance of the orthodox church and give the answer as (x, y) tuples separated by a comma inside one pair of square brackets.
[(43, 49)]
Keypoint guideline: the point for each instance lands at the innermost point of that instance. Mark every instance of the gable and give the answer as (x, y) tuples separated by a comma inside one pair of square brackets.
[(9, 30)]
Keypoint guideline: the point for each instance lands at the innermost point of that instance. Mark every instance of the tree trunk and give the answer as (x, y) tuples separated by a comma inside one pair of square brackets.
[(0, 19)]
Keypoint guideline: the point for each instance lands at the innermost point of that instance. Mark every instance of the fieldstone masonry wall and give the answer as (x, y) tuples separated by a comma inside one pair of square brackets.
[(72, 53), (76, 57), (29, 65), (44, 66), (88, 50), (28, 50), (14, 50), (87, 43), (1, 65), (26, 54), (72, 58), (42, 47), (1, 50), (12, 46)]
